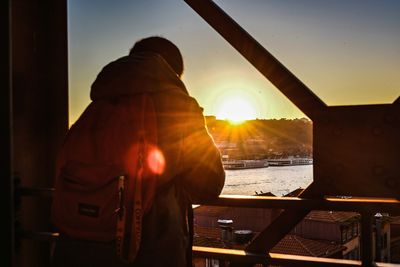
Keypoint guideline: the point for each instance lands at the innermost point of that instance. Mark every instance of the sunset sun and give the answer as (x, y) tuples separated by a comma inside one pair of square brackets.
[(236, 110)]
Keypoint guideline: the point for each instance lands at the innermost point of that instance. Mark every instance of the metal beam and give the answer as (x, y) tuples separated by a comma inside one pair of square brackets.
[(259, 57), (346, 139), (242, 256), (277, 259), (366, 206), (6, 170), (40, 109), (389, 205), (366, 238)]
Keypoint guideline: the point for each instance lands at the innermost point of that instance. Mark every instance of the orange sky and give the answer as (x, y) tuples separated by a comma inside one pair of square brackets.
[(346, 51)]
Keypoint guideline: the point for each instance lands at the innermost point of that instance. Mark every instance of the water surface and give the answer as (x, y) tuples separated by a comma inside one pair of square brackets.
[(277, 180)]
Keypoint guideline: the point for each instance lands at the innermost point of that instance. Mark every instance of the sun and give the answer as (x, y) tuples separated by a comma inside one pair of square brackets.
[(236, 109)]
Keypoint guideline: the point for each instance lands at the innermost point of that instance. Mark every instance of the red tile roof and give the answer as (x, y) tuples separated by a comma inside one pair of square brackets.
[(207, 231), (209, 237), (204, 241), (331, 216), (290, 244), (296, 245)]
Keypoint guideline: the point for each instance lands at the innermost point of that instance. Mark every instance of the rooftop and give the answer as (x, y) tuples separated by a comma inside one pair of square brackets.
[(290, 244), (331, 216)]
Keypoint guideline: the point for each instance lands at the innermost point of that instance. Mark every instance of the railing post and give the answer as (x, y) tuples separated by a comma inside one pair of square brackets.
[(366, 239)]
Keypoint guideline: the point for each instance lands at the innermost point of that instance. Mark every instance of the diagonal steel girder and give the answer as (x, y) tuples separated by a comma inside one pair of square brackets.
[(284, 80), (353, 145), (259, 57)]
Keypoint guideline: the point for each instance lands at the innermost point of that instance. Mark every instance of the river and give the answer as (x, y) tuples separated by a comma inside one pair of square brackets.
[(277, 180)]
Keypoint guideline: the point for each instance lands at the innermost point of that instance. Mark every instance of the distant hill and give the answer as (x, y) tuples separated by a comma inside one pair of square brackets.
[(262, 138)]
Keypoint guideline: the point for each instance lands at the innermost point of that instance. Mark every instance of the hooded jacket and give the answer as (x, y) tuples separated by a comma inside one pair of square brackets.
[(193, 169)]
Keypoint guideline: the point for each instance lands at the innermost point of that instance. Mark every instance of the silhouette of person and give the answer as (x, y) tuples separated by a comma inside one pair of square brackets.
[(193, 169)]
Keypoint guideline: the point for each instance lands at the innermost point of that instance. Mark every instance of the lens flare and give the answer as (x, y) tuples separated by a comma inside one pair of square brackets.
[(156, 161)]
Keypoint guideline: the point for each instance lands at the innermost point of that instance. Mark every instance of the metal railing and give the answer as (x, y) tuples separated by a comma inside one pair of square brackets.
[(344, 123), (367, 207), (333, 129)]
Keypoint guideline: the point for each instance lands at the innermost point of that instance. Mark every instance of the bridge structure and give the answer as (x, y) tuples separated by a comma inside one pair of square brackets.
[(356, 148)]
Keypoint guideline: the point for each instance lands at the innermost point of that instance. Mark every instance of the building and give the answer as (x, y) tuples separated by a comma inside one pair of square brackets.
[(395, 239), (381, 237), (340, 228), (319, 234)]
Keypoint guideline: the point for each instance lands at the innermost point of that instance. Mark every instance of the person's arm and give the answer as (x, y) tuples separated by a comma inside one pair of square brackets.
[(204, 175)]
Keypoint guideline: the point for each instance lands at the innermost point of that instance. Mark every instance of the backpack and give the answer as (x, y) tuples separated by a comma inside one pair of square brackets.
[(106, 174)]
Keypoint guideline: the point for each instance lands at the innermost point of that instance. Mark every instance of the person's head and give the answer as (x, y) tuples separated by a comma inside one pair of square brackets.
[(164, 48)]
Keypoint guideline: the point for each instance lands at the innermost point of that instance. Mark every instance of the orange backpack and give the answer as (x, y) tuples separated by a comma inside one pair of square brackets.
[(106, 173)]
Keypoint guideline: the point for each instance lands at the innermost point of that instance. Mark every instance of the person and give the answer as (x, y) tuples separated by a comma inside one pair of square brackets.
[(193, 169)]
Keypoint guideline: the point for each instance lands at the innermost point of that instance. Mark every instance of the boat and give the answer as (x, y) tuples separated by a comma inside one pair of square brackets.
[(236, 164), (291, 161)]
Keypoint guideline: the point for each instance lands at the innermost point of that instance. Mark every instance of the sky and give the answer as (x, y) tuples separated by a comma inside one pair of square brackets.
[(346, 51)]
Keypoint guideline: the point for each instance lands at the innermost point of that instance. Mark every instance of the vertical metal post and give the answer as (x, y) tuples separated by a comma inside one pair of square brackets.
[(7, 222), (378, 236), (366, 239), (40, 108)]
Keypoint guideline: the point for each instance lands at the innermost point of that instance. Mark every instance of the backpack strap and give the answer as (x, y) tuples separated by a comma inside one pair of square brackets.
[(130, 211), (121, 216), (137, 207)]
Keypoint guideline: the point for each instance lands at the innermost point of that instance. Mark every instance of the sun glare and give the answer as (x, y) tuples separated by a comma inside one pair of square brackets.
[(236, 110)]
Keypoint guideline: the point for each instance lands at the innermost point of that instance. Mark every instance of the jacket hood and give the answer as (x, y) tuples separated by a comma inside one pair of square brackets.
[(130, 75)]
